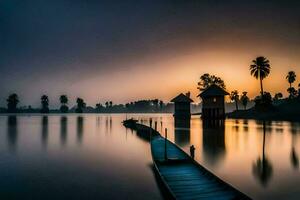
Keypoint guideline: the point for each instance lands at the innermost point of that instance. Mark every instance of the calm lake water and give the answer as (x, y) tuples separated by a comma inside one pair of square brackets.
[(95, 157)]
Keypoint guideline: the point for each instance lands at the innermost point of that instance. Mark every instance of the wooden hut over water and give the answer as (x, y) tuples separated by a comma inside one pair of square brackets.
[(182, 104), (213, 102), (182, 111)]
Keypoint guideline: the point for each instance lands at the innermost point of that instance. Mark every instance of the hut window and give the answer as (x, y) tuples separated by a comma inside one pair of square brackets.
[(215, 99)]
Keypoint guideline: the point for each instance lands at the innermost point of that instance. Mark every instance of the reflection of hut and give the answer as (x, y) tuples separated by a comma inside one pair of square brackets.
[(182, 136), (213, 140), (182, 114), (213, 104)]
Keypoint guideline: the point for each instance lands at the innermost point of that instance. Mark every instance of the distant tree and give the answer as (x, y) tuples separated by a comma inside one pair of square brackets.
[(80, 105), (45, 104), (12, 102), (64, 101), (99, 107), (106, 104), (278, 96), (291, 77), (263, 102), (207, 80), (245, 99), (234, 96), (110, 104), (260, 69), (155, 103), (161, 104), (292, 91)]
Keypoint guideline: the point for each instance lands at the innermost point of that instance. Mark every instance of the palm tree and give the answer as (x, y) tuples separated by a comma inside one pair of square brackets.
[(260, 69), (45, 104), (244, 99), (234, 96), (291, 77), (12, 102), (64, 101), (80, 105)]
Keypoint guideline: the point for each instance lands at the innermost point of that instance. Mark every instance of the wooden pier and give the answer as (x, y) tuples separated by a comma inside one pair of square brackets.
[(182, 176)]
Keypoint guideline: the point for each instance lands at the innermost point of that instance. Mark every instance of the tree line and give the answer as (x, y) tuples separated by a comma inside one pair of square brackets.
[(153, 105)]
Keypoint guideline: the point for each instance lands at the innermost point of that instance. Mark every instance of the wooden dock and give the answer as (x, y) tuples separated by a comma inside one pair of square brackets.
[(182, 176)]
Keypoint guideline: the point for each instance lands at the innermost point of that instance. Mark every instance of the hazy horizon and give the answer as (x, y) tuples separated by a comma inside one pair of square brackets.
[(102, 51)]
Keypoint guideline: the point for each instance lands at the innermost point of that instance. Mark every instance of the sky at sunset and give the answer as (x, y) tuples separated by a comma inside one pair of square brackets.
[(129, 50)]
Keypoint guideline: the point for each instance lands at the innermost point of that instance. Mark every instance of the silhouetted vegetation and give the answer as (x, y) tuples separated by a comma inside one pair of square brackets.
[(80, 105), (234, 96), (207, 80), (291, 77), (64, 101), (260, 69), (45, 104), (244, 99), (277, 96), (12, 102)]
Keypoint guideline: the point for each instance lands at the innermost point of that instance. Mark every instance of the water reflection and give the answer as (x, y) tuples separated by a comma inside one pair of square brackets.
[(262, 169), (182, 131), (44, 130), (79, 129), (12, 132), (293, 155), (213, 141), (245, 125), (236, 126), (63, 129), (108, 124)]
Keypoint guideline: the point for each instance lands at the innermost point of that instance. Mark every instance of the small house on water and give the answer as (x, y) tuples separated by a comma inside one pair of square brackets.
[(182, 104), (213, 103), (182, 112)]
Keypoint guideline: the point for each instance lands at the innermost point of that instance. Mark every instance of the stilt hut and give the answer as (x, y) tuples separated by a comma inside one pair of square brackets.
[(182, 104), (213, 103)]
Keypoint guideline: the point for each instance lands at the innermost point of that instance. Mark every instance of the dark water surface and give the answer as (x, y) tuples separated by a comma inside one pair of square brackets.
[(95, 157)]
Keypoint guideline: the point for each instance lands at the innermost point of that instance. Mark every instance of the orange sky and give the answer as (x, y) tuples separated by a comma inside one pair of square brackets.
[(121, 52)]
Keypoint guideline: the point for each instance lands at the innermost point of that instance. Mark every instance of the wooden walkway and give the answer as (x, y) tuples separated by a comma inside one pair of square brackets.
[(183, 177)]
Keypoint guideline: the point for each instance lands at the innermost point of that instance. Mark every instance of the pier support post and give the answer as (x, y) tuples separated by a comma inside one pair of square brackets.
[(166, 137), (155, 125)]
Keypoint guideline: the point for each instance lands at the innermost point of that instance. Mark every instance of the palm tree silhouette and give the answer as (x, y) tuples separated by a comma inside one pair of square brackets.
[(260, 69), (234, 96), (80, 105), (45, 104), (291, 77), (64, 101), (12, 102)]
